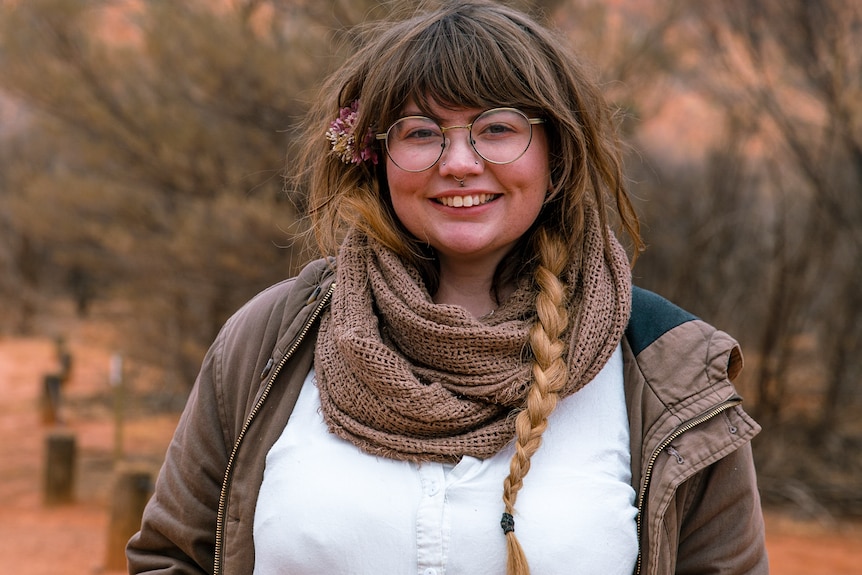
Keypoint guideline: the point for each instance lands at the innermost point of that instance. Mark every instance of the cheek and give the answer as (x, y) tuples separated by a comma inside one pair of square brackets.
[(537, 181), (398, 180), (404, 189)]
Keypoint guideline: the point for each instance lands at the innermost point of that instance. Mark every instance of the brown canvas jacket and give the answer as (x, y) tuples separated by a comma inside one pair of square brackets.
[(691, 455)]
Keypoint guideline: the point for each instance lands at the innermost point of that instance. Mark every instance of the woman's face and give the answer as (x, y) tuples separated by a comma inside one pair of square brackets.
[(481, 221)]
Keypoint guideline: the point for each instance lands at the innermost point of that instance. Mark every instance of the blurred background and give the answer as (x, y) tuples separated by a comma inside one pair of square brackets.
[(143, 152)]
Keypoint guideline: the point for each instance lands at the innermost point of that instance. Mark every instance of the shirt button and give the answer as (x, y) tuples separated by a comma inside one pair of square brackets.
[(430, 571), (432, 490)]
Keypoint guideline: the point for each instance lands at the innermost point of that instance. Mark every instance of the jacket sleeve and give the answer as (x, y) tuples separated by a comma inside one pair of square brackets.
[(722, 529), (177, 533)]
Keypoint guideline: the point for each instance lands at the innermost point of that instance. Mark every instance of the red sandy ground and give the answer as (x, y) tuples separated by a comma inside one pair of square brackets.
[(71, 539)]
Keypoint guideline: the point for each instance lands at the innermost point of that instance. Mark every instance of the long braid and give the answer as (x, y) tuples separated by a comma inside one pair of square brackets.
[(549, 376)]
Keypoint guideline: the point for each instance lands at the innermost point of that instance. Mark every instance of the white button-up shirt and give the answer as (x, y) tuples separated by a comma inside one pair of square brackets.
[(325, 507)]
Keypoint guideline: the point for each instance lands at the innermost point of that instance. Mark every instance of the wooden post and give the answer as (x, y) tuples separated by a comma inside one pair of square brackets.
[(132, 490), (118, 385), (51, 399), (60, 456)]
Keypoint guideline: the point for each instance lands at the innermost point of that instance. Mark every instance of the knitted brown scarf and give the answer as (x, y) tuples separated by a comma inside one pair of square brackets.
[(405, 378)]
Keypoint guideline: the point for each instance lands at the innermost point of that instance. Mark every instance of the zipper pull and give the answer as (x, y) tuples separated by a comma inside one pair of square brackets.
[(674, 453), (267, 368), (313, 297)]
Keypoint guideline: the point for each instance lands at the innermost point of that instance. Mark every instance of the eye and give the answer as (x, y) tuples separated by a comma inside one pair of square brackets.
[(496, 132), (421, 133), (497, 128), (416, 129), (500, 124)]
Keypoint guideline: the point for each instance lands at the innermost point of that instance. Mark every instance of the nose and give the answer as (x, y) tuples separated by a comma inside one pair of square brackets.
[(459, 157)]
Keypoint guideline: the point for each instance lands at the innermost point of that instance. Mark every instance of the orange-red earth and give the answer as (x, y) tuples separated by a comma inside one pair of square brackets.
[(72, 538)]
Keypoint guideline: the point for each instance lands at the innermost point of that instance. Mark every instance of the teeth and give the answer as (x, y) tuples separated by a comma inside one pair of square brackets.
[(466, 201)]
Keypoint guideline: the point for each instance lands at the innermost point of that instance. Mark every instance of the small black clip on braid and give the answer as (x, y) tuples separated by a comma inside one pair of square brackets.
[(507, 523)]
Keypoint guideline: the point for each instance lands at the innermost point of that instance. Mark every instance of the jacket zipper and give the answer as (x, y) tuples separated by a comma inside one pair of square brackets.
[(226, 482), (687, 426)]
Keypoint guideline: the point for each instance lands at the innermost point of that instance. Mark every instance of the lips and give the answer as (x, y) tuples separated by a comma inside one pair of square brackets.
[(466, 201)]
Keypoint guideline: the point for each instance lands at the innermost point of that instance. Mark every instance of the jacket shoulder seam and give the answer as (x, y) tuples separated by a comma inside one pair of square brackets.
[(652, 317)]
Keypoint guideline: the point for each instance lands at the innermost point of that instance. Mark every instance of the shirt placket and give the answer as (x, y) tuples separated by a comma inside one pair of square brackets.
[(432, 521)]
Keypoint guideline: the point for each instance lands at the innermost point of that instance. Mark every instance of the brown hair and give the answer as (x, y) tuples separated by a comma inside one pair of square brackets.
[(478, 54)]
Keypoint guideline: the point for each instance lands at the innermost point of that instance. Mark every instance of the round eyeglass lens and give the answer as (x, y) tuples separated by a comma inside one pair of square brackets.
[(415, 143), (499, 136)]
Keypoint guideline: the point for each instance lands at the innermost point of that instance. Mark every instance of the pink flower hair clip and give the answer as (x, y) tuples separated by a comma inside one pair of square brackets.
[(341, 134)]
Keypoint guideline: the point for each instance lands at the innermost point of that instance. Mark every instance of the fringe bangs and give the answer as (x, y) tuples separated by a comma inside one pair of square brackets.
[(455, 62)]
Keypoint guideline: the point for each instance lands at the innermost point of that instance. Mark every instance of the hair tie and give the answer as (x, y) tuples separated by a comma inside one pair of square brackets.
[(507, 523)]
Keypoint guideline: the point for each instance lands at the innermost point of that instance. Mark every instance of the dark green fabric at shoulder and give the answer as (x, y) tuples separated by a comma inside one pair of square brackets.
[(652, 317)]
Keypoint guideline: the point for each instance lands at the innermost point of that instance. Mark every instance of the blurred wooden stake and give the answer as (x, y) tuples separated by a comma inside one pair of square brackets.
[(60, 456), (50, 402), (118, 385), (132, 490)]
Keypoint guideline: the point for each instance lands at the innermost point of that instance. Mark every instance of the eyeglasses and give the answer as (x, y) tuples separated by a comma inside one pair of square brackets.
[(499, 136)]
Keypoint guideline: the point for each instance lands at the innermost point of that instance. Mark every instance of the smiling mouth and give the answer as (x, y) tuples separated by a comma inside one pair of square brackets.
[(466, 201)]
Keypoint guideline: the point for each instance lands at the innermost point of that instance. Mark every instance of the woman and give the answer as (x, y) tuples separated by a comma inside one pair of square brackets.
[(471, 385)]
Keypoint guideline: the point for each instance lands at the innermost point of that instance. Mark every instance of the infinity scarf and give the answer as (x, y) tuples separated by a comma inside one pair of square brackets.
[(405, 378)]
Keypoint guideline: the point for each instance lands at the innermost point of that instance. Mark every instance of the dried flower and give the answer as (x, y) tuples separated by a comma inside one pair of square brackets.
[(341, 134)]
